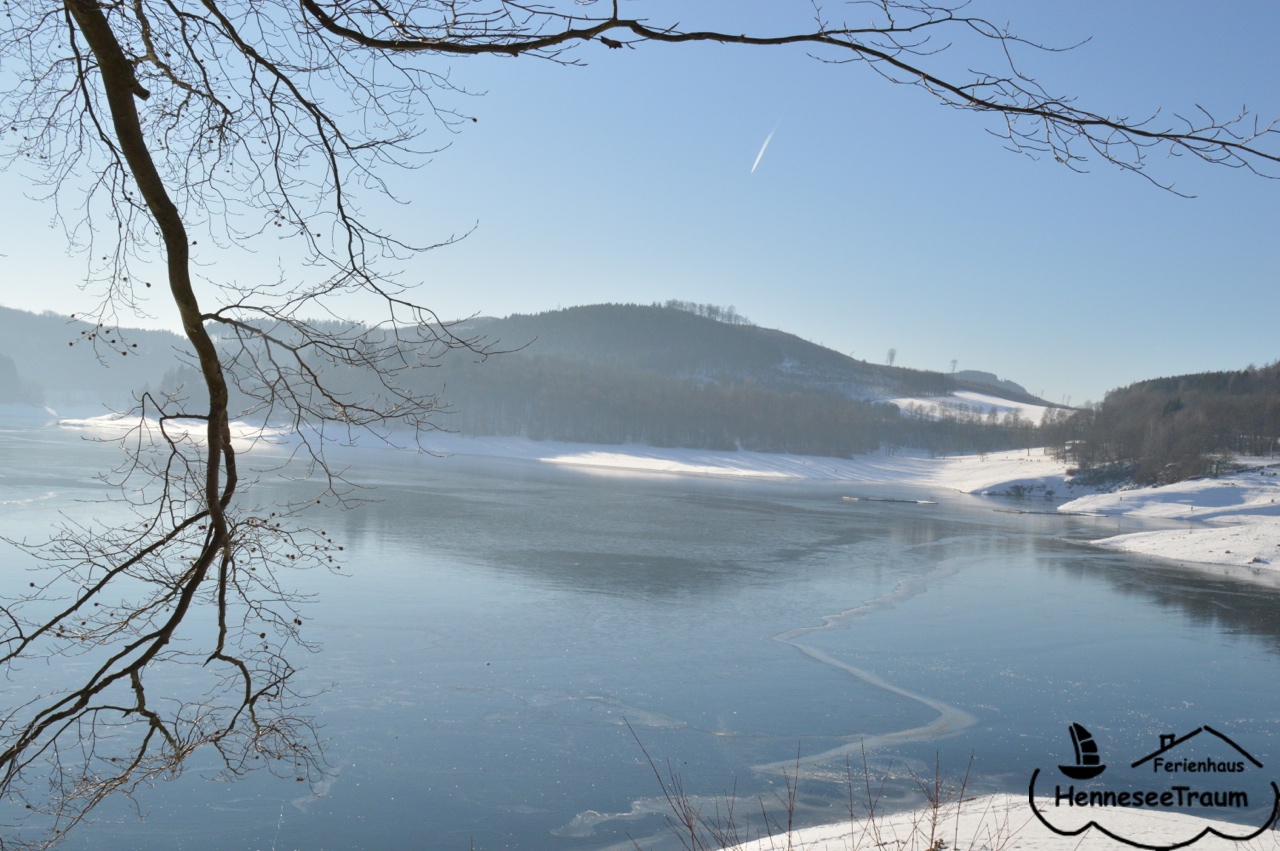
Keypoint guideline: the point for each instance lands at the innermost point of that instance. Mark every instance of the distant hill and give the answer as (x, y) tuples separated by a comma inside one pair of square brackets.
[(609, 373), (64, 361), (14, 389), (673, 342), (666, 376)]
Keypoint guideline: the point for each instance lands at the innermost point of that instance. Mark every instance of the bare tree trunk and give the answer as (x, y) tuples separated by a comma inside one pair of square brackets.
[(121, 87)]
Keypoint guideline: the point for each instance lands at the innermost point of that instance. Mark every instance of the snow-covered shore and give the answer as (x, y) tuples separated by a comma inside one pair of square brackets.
[(993, 473), (998, 822), (1232, 520)]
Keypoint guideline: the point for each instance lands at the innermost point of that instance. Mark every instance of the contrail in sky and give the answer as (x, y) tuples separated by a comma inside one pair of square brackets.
[(760, 155)]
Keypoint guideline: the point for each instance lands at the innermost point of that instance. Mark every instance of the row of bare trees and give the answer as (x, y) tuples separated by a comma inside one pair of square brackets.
[(728, 314)]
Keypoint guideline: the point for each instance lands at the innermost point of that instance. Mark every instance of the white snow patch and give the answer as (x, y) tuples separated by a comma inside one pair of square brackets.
[(1254, 544), (1235, 495), (117, 426), (996, 472), (972, 402)]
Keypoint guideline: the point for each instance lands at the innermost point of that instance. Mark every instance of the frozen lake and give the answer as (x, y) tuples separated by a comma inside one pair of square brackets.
[(503, 621)]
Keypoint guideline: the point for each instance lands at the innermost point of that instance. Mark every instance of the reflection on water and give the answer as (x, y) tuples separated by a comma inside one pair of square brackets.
[(502, 623)]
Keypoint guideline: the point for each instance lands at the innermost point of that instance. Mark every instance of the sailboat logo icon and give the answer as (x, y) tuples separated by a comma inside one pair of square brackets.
[(1087, 762)]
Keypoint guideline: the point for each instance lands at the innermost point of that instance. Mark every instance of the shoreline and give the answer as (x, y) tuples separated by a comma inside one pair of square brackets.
[(1232, 521), (1229, 522)]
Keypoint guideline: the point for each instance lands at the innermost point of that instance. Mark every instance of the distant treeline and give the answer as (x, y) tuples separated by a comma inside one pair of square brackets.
[(1168, 429), (715, 312), (548, 398), (52, 359), (554, 399)]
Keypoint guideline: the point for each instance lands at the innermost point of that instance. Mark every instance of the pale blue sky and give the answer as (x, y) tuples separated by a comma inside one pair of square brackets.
[(876, 218)]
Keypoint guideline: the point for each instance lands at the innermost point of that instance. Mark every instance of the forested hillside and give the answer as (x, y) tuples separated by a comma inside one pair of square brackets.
[(676, 341), (666, 375), (559, 399), (58, 360), (14, 388), (673, 376), (1167, 429)]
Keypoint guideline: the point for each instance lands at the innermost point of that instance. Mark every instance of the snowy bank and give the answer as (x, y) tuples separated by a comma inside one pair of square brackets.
[(969, 474), (244, 437), (1020, 472), (1230, 520), (997, 822), (998, 472), (1030, 472)]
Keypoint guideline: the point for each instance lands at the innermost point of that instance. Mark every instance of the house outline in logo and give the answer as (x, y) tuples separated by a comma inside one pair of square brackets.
[(1169, 741)]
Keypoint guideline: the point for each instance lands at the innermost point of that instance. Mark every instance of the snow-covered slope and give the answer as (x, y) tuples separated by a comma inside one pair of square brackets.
[(1234, 519)]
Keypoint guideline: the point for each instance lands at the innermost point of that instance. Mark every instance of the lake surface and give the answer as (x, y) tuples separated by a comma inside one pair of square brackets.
[(502, 623)]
